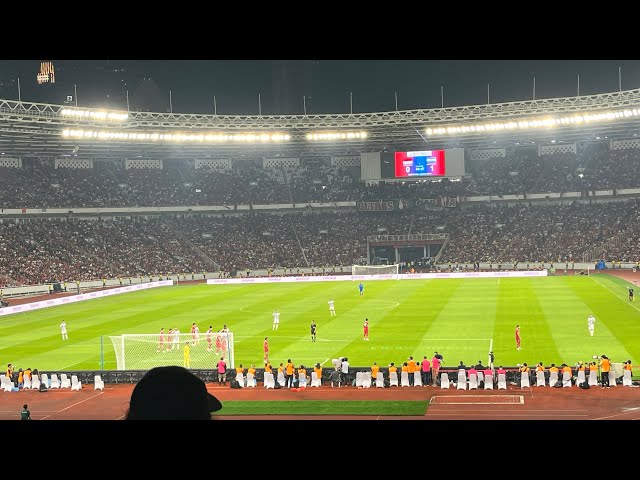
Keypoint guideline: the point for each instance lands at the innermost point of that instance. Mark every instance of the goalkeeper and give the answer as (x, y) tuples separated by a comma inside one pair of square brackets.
[(187, 355)]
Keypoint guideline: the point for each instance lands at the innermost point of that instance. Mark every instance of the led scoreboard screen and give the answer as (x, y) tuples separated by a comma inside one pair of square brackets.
[(427, 163)]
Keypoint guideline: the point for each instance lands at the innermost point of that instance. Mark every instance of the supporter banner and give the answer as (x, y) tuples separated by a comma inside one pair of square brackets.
[(382, 205), (440, 202), (27, 307), (401, 276)]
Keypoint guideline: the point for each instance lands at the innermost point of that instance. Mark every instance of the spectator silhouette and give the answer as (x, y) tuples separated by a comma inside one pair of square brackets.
[(171, 393)]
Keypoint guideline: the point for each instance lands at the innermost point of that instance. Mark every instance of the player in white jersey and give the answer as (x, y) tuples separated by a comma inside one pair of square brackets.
[(176, 340), (63, 330), (591, 323), (276, 319), (332, 308), (197, 335)]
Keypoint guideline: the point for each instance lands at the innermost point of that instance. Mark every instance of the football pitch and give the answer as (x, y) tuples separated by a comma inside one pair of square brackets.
[(463, 319)]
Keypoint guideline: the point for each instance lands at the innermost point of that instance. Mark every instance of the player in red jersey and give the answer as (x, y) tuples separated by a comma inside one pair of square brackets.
[(365, 329), (161, 340), (266, 349), (209, 341), (517, 337), (219, 345)]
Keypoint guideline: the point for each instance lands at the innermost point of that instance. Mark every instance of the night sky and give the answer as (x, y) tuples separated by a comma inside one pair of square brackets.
[(282, 84)]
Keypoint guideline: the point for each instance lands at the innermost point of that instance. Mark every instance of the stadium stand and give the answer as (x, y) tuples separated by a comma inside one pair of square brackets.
[(109, 184)]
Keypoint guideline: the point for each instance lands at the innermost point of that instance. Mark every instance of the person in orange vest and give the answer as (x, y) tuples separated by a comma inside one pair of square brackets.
[(412, 368), (552, 369), (524, 370), (627, 366), (540, 368), (581, 367), (605, 368), (374, 372)]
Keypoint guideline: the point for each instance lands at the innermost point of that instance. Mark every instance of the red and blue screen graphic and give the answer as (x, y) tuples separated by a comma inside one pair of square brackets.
[(427, 163)]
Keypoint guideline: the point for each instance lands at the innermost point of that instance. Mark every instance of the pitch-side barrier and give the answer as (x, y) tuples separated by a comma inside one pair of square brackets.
[(400, 276), (27, 307)]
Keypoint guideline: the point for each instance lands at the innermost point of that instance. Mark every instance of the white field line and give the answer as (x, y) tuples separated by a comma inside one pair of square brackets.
[(614, 293), (67, 366), (77, 403), (616, 415), (498, 415)]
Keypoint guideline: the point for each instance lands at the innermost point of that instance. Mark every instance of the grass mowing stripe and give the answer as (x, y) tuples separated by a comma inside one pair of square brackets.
[(320, 407)]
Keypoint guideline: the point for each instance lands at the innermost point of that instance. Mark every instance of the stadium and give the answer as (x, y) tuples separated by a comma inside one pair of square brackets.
[(480, 237)]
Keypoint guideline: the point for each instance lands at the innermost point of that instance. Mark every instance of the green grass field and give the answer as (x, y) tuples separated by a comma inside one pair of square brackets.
[(461, 319), (319, 407)]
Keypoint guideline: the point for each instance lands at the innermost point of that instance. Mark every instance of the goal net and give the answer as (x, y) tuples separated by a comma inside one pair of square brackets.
[(375, 269), (145, 351)]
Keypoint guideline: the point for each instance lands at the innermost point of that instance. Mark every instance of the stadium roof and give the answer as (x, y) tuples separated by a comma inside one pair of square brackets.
[(37, 129)]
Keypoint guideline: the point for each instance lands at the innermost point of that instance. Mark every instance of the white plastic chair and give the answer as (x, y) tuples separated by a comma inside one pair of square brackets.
[(269, 381), (593, 378), (612, 379), (55, 383), (6, 384), (98, 384), (404, 379), (540, 379), (358, 379), (444, 380), (473, 381), (488, 383), (417, 379), (502, 381), (45, 380), (566, 379), (581, 378), (315, 381), (462, 380), (35, 382), (480, 377), (240, 379), (281, 378), (75, 384), (64, 381), (366, 380), (626, 378), (393, 379), (524, 380), (553, 378), (380, 380), (27, 383), (302, 380)]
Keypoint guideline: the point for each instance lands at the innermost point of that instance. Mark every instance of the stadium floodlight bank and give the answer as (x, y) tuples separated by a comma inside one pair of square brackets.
[(375, 270), (145, 351)]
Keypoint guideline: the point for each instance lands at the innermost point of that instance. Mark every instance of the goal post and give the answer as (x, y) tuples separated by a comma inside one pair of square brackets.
[(146, 351), (375, 269)]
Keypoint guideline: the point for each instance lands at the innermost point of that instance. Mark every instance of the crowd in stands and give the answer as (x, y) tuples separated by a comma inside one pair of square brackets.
[(109, 184), (60, 250), (46, 251)]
